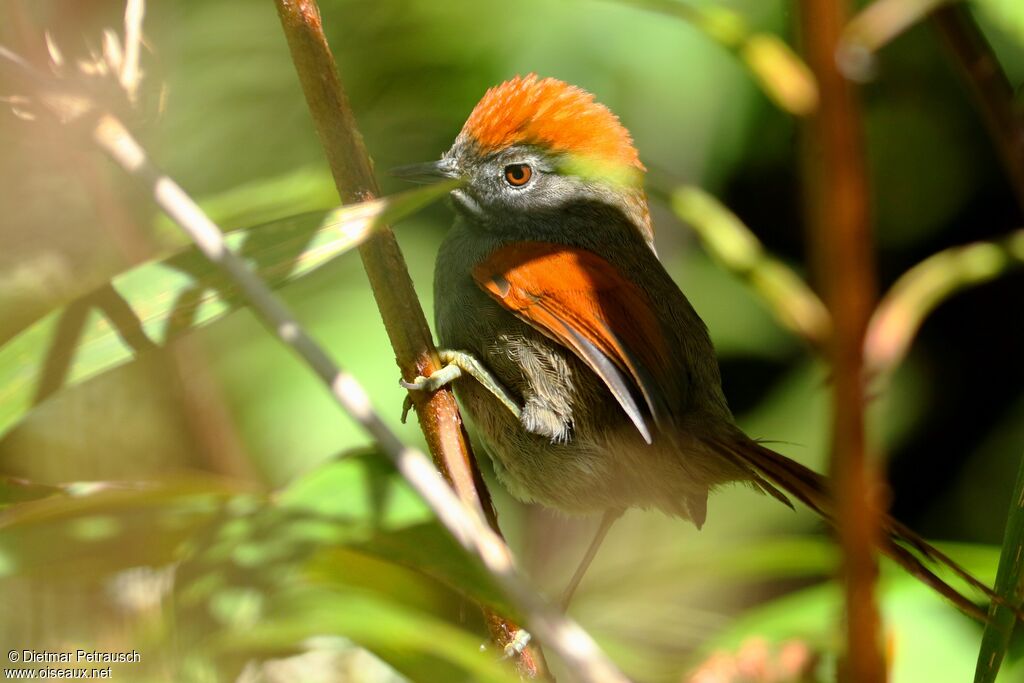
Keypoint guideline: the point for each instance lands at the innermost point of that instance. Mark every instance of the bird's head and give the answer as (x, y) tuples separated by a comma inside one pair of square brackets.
[(533, 145)]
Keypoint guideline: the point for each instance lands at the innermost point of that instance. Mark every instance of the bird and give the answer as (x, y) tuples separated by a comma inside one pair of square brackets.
[(591, 380)]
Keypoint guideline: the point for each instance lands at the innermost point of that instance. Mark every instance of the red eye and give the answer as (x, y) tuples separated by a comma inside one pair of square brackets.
[(518, 175)]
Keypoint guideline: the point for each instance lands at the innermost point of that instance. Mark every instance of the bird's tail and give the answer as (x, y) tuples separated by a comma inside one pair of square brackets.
[(899, 543)]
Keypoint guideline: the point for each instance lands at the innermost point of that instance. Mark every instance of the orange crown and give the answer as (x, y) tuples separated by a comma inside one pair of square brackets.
[(551, 114)]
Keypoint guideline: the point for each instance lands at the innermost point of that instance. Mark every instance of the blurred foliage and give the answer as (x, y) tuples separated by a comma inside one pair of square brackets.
[(182, 495)]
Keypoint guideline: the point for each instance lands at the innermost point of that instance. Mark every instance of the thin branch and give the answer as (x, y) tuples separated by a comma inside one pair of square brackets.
[(389, 278), (735, 247), (923, 288), (840, 240), (130, 75), (993, 94)]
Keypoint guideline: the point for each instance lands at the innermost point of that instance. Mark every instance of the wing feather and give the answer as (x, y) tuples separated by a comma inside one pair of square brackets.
[(583, 302)]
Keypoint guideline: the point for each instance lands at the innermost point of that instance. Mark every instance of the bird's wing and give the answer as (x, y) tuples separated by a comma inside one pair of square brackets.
[(583, 302)]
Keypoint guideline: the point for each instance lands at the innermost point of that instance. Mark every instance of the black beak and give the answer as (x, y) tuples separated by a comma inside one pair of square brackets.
[(428, 172)]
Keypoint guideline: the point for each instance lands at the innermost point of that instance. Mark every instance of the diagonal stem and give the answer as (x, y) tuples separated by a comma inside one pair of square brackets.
[(992, 91)]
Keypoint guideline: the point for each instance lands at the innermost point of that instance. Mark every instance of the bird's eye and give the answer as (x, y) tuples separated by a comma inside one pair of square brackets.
[(518, 175)]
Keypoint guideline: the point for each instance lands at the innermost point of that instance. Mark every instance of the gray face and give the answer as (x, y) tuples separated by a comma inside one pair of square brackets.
[(502, 188)]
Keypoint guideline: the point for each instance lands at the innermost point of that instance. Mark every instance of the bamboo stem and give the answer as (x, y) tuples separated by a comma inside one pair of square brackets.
[(393, 289)]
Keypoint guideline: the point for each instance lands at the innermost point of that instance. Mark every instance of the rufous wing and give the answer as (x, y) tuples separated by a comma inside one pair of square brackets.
[(583, 302)]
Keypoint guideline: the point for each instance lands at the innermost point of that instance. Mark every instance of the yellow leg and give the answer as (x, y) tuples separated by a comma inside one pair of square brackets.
[(457, 364)]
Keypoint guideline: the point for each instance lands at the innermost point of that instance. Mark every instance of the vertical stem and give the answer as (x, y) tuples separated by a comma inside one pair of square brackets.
[(835, 181), (389, 278)]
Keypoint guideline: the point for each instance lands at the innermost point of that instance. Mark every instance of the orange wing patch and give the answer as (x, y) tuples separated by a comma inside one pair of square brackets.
[(552, 114), (581, 301)]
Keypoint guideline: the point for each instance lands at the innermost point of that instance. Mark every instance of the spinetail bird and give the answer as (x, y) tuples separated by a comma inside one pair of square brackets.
[(592, 381)]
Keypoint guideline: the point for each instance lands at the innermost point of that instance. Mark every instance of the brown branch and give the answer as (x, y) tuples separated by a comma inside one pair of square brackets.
[(389, 278), (836, 184), (993, 94)]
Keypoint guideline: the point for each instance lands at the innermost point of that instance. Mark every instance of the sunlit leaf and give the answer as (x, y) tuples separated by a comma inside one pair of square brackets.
[(357, 486), (1009, 587), (159, 300), (350, 535), (418, 645), (1009, 14)]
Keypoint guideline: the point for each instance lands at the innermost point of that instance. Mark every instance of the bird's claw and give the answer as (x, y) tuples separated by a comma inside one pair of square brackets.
[(440, 378), (518, 644), (515, 647), (432, 383), (407, 405)]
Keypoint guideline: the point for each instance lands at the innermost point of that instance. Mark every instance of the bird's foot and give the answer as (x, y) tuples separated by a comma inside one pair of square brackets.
[(457, 364)]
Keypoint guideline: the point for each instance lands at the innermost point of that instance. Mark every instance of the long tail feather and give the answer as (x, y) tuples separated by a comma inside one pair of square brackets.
[(899, 543)]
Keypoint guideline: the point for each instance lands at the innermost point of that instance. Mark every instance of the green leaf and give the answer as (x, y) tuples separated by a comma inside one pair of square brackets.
[(154, 302), (361, 485), (14, 490), (346, 549), (417, 644), (1009, 587), (101, 529), (1009, 14), (429, 549)]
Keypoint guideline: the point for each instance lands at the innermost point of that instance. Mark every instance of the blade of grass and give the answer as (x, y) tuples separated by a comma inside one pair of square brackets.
[(1002, 618)]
